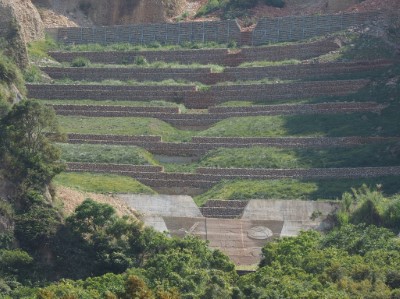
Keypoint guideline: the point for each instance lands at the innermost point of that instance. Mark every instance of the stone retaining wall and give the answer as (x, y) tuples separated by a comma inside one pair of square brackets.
[(267, 92), (313, 173), (224, 57), (103, 167), (293, 141), (269, 30), (303, 71), (200, 145), (238, 204), (109, 92), (107, 108), (220, 112), (219, 212), (216, 114), (298, 108), (143, 138), (142, 34), (138, 74), (196, 99), (204, 75), (153, 176)]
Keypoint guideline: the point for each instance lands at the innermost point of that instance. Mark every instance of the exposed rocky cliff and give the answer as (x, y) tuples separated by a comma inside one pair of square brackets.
[(20, 23), (26, 15), (104, 12)]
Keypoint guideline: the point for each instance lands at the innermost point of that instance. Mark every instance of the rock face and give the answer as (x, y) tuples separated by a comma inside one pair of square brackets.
[(26, 16), (105, 12), (19, 23)]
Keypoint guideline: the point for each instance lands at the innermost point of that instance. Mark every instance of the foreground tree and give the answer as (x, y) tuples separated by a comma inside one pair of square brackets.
[(28, 157)]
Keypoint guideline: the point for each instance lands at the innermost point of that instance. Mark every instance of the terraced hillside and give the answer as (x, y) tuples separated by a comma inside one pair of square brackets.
[(297, 120)]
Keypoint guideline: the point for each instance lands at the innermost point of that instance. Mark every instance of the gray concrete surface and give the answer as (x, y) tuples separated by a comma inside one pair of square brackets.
[(241, 239)]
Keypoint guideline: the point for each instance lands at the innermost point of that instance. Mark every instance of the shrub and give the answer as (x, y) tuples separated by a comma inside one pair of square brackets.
[(140, 60), (275, 3), (80, 62), (8, 71), (232, 44), (33, 74), (37, 227), (211, 6), (154, 45)]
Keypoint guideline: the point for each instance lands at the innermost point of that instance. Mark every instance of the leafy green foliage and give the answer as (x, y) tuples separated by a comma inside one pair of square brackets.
[(28, 157), (294, 189), (80, 62), (102, 240), (270, 157), (9, 75), (14, 262), (38, 49), (228, 7), (15, 266), (37, 227), (33, 74), (8, 71), (368, 206), (352, 261), (360, 239)]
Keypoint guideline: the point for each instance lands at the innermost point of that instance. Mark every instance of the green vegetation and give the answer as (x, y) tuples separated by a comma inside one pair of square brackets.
[(157, 64), (33, 74), (363, 47), (93, 153), (10, 79), (101, 183), (315, 266), (293, 189), (37, 50), (354, 124), (28, 158), (126, 47), (122, 126), (96, 254), (370, 207), (94, 241), (269, 63), (80, 62), (270, 157)]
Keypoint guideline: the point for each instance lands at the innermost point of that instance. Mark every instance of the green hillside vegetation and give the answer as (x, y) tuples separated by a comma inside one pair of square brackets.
[(11, 80), (117, 154), (354, 124), (101, 183), (294, 189), (122, 126), (94, 253)]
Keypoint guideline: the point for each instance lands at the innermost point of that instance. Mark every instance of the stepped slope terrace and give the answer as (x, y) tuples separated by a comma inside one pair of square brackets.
[(305, 118)]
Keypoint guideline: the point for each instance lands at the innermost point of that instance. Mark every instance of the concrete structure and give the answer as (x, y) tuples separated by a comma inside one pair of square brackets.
[(241, 238)]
